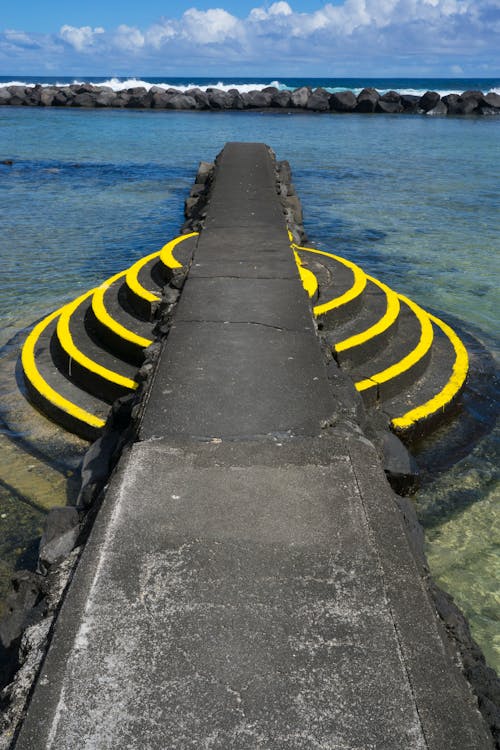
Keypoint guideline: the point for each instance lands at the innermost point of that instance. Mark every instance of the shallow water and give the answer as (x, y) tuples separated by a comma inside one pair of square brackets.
[(414, 200)]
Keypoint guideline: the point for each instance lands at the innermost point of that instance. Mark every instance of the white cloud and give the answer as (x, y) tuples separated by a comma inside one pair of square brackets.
[(159, 33), (350, 38), (80, 37), (129, 38), (209, 26)]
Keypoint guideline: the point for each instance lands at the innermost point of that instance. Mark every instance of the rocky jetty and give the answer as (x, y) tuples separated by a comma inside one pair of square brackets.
[(270, 98)]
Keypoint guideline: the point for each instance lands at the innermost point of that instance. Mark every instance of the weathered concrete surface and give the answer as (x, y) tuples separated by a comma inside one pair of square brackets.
[(250, 595), (248, 582)]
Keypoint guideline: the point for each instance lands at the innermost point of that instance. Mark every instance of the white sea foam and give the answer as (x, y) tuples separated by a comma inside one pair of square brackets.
[(117, 85)]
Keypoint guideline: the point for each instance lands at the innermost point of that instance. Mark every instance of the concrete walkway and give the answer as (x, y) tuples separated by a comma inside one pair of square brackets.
[(248, 582)]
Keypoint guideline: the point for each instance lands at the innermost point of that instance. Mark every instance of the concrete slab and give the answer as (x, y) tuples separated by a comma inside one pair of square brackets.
[(238, 300), (234, 596), (243, 269), (237, 379)]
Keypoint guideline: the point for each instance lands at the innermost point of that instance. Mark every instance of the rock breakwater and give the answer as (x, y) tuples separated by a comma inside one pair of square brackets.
[(368, 101)]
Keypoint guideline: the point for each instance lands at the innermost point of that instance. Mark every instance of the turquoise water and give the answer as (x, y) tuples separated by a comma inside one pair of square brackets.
[(414, 200)]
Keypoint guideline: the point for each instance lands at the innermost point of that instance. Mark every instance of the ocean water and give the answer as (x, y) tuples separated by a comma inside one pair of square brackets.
[(414, 200)]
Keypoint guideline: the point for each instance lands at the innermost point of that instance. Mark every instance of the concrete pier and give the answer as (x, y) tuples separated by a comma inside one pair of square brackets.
[(248, 582)]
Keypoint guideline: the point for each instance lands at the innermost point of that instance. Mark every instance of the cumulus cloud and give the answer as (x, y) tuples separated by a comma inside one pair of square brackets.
[(80, 37), (128, 38), (209, 26), (351, 38)]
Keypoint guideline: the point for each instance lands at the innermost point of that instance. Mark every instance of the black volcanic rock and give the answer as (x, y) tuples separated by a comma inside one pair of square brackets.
[(256, 100), (343, 101), (319, 100), (218, 99), (367, 100), (281, 99), (300, 97), (429, 100)]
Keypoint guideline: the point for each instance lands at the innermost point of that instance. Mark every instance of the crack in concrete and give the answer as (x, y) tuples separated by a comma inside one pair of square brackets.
[(245, 322)]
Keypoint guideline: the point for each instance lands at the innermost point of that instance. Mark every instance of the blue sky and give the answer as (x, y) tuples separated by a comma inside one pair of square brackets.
[(339, 38)]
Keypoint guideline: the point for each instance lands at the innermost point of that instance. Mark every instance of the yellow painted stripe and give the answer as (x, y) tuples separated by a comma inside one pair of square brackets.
[(102, 315), (67, 343), (40, 384), (133, 282), (385, 322), (309, 280), (167, 251), (450, 390), (356, 289), (404, 364)]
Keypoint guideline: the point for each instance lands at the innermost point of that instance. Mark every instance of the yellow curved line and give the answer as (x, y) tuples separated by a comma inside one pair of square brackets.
[(133, 282), (385, 322), (423, 346), (448, 392), (40, 384), (309, 280), (356, 289), (102, 315), (67, 343), (166, 253)]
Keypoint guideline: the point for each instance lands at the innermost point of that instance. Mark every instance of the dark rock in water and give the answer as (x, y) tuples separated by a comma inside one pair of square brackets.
[(139, 98), (410, 102), (477, 95), (17, 95), (62, 529), (319, 100), (256, 100), (452, 102), (235, 99), (492, 100), (399, 465), (390, 96), (282, 99), (270, 90), (488, 111), (84, 99), (47, 97), (300, 97), (439, 109), (343, 101), (429, 100), (60, 99), (200, 98), (107, 99), (181, 101), (367, 100), (218, 99), (160, 99), (5, 96), (389, 107), (26, 605)]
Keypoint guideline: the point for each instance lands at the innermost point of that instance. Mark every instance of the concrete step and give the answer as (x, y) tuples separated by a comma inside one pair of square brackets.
[(421, 407), (364, 335), (116, 325), (341, 285), (52, 392), (85, 361), (402, 361)]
